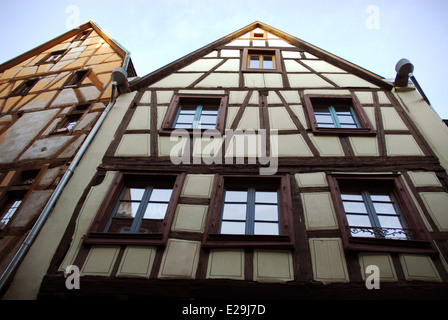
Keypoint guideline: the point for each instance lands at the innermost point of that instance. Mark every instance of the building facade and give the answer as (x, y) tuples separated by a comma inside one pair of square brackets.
[(50, 99), (260, 167)]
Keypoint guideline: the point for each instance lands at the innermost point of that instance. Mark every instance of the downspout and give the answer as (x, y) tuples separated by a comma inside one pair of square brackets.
[(117, 81)]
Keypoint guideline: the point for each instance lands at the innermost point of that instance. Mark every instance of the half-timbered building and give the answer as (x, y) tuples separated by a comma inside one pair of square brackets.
[(257, 167), (50, 99)]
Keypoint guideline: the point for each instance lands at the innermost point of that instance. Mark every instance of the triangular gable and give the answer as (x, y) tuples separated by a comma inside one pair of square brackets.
[(91, 24), (273, 38)]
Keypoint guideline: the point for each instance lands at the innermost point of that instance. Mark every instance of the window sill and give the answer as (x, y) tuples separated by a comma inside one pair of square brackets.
[(248, 241), (390, 245), (253, 70), (190, 132), (96, 238), (341, 131)]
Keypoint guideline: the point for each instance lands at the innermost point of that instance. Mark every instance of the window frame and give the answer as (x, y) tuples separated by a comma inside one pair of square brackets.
[(171, 115), (58, 54), (24, 88), (96, 234), (360, 116), (248, 52), (75, 114), (76, 78), (250, 220), (390, 183), (212, 236)]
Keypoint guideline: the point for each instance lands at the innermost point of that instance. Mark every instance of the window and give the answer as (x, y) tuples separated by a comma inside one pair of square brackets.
[(138, 209), (250, 211), (82, 35), (23, 88), (27, 177), (197, 116), (376, 213), (203, 112), (71, 120), (10, 207), (75, 80), (336, 114), (53, 57), (261, 60), (258, 35)]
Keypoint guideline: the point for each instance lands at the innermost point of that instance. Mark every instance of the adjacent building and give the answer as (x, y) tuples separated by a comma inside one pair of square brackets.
[(50, 99), (260, 167)]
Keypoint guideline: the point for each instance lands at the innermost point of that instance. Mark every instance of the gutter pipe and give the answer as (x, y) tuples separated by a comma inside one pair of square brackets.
[(15, 262)]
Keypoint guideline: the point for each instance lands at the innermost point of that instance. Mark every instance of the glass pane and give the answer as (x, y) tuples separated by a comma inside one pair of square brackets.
[(254, 62), (234, 212), (188, 110), (163, 195), (207, 119), (358, 220), (321, 110), (343, 111), (356, 197), (8, 215), (378, 197), (236, 196), (324, 118), (268, 62), (183, 126), (207, 126), (354, 207), (349, 126), (266, 197), (363, 234), (155, 211), (265, 228), (127, 210), (390, 222), (185, 118), (346, 120), (230, 227), (326, 125), (384, 208), (133, 194), (210, 112), (150, 226), (265, 212)]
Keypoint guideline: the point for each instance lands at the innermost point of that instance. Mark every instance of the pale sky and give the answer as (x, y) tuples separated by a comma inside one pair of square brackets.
[(373, 34)]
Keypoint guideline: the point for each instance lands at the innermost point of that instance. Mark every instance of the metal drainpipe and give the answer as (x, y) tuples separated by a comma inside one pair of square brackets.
[(14, 264)]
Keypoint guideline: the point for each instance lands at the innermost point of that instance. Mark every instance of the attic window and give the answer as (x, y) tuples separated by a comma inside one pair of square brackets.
[(82, 35), (258, 35), (53, 57), (261, 60)]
